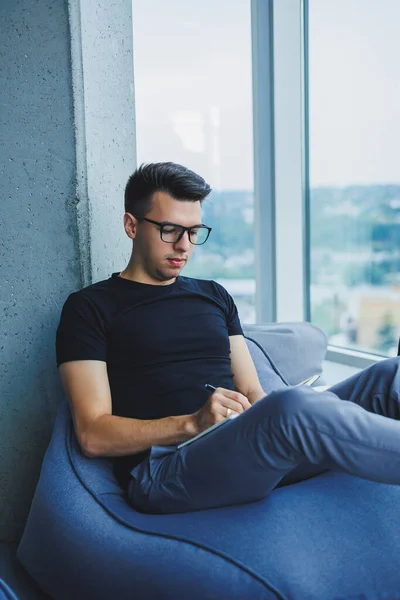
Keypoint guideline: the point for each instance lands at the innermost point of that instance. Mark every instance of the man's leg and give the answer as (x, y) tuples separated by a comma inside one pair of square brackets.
[(246, 458), (376, 389)]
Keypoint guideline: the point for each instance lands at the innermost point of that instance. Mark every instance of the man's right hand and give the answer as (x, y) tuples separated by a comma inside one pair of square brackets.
[(216, 408)]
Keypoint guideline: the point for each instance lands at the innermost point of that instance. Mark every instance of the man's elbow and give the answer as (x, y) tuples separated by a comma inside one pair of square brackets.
[(90, 445)]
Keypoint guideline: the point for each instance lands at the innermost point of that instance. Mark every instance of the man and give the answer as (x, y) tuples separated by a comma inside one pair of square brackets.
[(136, 350)]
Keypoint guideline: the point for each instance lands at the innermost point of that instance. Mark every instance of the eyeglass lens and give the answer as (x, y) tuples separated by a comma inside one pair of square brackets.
[(197, 235)]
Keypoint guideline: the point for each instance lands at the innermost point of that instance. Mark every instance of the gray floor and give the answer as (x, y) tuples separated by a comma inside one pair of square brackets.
[(23, 586)]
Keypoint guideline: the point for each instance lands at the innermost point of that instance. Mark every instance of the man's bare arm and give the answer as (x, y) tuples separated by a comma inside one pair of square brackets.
[(102, 434), (244, 371)]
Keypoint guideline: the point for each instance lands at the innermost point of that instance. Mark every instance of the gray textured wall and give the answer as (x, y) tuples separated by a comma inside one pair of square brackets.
[(102, 67), (67, 120), (39, 261)]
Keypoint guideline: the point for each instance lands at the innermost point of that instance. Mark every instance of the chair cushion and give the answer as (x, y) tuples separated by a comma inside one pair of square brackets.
[(333, 537), (294, 350), (5, 591), (270, 378), (330, 537)]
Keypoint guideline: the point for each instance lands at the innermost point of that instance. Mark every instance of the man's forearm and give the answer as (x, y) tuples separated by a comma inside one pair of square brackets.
[(110, 435), (255, 395)]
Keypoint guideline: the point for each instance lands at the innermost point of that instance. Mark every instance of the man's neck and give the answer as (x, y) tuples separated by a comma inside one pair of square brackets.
[(141, 277)]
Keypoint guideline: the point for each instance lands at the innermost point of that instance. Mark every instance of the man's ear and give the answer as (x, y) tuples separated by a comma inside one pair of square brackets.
[(130, 225)]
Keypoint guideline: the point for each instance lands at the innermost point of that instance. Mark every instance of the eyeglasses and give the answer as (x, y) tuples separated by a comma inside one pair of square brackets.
[(172, 233)]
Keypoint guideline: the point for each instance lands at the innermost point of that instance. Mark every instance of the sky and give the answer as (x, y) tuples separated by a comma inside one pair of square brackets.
[(354, 50), (193, 89)]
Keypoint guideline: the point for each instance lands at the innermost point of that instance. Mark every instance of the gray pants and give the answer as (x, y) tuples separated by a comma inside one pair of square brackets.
[(290, 435)]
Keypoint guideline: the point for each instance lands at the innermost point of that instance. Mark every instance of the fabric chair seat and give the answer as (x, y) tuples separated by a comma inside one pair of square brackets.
[(6, 592), (328, 538)]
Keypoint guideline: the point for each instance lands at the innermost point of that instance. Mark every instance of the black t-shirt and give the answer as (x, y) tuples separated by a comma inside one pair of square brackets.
[(161, 343)]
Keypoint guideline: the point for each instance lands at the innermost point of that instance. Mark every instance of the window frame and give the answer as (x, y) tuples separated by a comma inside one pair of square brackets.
[(288, 22), (263, 161)]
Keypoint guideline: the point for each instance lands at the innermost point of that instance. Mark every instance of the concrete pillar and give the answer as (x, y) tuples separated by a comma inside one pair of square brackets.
[(68, 147)]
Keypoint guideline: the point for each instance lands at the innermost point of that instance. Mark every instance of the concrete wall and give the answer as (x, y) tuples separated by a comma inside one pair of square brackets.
[(52, 182), (102, 68), (39, 261)]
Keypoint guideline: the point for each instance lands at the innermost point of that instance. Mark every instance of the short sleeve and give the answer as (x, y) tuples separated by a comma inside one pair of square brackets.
[(81, 332), (232, 315)]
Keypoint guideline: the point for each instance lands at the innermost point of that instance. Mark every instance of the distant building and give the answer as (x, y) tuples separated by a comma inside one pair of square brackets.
[(378, 322)]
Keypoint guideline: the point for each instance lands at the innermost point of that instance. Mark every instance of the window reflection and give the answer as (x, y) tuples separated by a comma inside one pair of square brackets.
[(354, 95), (193, 104)]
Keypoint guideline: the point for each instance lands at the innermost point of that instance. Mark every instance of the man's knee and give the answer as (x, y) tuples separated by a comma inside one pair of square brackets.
[(290, 402)]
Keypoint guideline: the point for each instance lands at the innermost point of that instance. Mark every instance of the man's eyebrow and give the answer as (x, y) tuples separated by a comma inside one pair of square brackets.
[(177, 224)]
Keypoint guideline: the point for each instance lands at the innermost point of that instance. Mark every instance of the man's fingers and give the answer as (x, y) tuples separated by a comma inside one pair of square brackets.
[(231, 406), (236, 397)]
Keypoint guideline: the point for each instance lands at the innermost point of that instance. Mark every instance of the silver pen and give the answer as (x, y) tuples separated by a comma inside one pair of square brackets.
[(210, 387)]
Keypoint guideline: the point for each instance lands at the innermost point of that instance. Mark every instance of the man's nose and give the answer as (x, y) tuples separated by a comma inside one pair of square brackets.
[(184, 242)]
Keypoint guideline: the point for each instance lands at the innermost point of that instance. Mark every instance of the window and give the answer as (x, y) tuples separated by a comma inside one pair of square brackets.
[(193, 97), (354, 132)]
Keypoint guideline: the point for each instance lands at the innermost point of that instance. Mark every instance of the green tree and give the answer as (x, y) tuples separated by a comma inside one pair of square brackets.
[(386, 334), (327, 315)]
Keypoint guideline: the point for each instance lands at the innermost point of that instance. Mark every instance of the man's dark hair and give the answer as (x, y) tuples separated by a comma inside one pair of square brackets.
[(173, 179)]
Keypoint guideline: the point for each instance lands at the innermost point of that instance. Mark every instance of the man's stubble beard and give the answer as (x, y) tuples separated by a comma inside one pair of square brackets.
[(164, 273), (163, 276), (160, 273)]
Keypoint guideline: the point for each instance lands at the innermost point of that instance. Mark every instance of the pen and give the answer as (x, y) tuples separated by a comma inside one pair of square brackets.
[(210, 387)]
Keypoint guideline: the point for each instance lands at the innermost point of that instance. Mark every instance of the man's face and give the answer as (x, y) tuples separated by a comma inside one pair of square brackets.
[(162, 261)]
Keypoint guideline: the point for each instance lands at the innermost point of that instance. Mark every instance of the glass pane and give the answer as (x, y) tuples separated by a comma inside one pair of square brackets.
[(193, 97), (354, 92)]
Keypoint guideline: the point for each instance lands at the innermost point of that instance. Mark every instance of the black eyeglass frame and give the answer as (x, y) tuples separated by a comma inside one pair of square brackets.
[(163, 224)]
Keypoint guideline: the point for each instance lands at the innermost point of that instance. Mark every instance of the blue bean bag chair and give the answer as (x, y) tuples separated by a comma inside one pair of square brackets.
[(5, 592), (332, 537)]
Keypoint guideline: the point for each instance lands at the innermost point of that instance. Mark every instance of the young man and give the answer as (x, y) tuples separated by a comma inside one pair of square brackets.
[(136, 350)]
